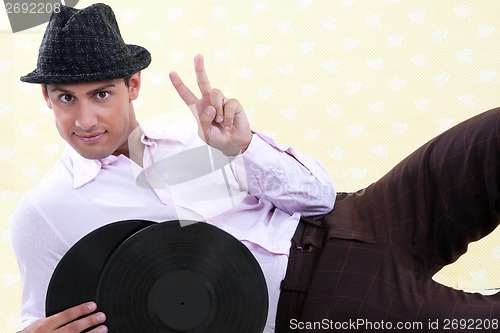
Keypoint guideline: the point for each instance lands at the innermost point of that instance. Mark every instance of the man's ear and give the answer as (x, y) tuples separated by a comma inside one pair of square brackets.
[(46, 96), (134, 86)]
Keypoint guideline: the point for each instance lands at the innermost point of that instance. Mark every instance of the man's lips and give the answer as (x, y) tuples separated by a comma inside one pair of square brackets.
[(90, 137)]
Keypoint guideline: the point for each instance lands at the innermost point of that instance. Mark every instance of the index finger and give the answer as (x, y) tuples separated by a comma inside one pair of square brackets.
[(187, 96), (201, 76), (68, 315)]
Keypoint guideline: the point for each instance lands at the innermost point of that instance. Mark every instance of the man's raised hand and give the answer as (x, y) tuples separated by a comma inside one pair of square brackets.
[(222, 122)]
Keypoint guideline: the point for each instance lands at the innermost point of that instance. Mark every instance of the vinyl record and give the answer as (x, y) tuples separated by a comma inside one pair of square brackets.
[(195, 278), (75, 278)]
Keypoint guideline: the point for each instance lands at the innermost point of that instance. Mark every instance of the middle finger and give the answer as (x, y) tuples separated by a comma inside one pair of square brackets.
[(201, 76)]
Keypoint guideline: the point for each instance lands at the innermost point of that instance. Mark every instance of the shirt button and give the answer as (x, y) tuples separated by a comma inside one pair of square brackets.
[(106, 162)]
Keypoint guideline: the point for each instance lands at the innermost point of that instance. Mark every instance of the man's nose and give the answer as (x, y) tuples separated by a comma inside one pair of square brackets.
[(87, 117)]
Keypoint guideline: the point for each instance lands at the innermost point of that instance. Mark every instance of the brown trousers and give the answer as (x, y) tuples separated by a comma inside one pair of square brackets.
[(367, 266)]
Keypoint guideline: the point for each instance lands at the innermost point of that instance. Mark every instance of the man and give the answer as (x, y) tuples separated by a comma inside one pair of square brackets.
[(90, 78), (365, 266)]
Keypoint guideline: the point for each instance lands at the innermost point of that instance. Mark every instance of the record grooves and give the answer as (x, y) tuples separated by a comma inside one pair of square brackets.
[(162, 277), (75, 278)]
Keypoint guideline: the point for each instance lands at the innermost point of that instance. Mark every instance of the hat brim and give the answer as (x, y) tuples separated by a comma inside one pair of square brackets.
[(141, 58)]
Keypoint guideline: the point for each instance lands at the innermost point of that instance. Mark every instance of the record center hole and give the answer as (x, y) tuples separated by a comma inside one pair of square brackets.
[(181, 302)]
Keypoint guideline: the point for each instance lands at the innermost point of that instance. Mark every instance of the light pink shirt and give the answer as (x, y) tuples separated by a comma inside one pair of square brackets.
[(258, 198)]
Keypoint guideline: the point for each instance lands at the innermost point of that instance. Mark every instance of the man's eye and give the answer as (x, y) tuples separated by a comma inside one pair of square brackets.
[(66, 98), (102, 94)]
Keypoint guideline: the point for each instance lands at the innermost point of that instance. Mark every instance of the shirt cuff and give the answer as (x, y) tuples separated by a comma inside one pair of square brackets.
[(263, 149)]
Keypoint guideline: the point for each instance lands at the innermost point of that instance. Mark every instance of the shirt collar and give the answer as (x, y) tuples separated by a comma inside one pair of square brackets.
[(85, 170)]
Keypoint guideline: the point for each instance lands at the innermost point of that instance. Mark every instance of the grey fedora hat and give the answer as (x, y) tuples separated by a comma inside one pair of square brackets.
[(85, 45)]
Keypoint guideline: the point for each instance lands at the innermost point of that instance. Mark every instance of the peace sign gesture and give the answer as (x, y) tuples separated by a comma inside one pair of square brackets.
[(222, 122)]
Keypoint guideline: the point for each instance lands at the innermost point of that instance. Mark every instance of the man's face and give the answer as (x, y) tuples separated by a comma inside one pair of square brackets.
[(95, 118)]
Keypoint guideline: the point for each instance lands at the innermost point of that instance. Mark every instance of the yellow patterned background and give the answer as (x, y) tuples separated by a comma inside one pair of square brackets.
[(358, 84)]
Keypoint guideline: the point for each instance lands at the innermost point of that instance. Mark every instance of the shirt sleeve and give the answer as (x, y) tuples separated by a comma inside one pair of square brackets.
[(37, 249), (291, 181)]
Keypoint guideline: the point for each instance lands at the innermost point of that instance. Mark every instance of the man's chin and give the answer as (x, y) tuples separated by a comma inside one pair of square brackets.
[(92, 155)]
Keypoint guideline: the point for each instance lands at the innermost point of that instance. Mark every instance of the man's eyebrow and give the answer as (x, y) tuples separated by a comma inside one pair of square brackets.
[(95, 91), (90, 93), (56, 88)]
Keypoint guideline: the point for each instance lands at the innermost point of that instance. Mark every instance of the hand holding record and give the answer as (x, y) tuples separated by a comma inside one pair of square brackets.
[(65, 321), (168, 278), (75, 279)]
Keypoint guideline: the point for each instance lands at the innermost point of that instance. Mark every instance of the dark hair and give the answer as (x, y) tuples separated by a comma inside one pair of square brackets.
[(126, 79)]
